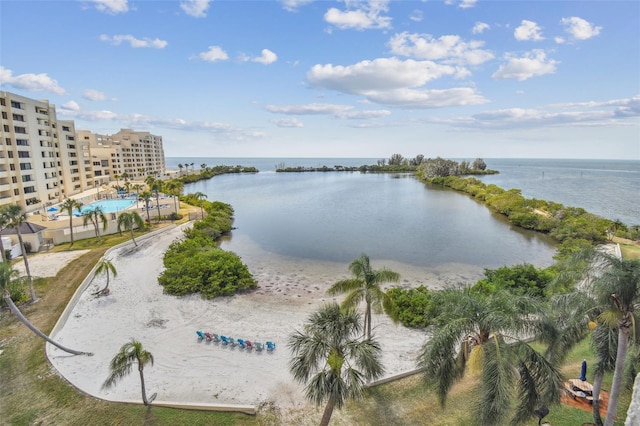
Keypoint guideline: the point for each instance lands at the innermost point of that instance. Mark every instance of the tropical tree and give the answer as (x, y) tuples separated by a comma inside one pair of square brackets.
[(174, 188), (155, 185), (104, 266), (15, 217), (180, 166), (95, 215), (117, 176), (7, 275), (617, 289), (200, 196), (130, 353), (4, 221), (128, 221), (70, 205), (332, 359), (145, 196), (487, 334), (203, 166), (366, 286), (137, 187), (192, 169)]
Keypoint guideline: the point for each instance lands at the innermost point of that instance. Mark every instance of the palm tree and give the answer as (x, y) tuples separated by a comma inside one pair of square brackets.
[(203, 166), (4, 221), (200, 196), (180, 166), (15, 217), (104, 266), (70, 205), (130, 353), (145, 196), (332, 359), (137, 187), (155, 185), (366, 286), (617, 289), (488, 332), (129, 220), (7, 275), (174, 187), (95, 215), (192, 169)]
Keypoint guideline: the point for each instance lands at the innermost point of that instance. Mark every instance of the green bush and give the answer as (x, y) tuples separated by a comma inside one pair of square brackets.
[(198, 265), (519, 279), (413, 307)]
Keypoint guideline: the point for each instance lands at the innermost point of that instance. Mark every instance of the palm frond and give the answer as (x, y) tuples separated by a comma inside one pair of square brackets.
[(345, 286), (496, 383)]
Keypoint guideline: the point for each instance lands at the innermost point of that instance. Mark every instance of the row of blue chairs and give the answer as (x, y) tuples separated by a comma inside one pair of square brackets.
[(244, 344)]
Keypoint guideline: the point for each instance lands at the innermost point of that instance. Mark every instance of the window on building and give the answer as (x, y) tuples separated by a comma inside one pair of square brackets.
[(26, 178), (25, 166), (29, 189), (15, 104), (24, 154), (65, 128), (19, 129), (18, 117), (4, 115), (22, 142)]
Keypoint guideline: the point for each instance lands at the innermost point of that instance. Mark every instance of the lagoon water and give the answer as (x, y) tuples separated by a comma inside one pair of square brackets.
[(331, 218)]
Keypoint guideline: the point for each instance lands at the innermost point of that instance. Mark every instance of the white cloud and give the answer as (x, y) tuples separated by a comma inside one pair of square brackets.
[(579, 29), (134, 42), (195, 8), (267, 57), (533, 64), (31, 82), (480, 27), (338, 111), (112, 7), (293, 5), (309, 109), (448, 48), (95, 95), (360, 15), (393, 82), (528, 30), (466, 4), (71, 106), (416, 16), (379, 74), (580, 114), (559, 40), (221, 130), (288, 123), (215, 53), (411, 98)]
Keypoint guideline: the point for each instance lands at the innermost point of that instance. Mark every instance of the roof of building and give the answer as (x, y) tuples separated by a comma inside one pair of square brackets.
[(25, 228)]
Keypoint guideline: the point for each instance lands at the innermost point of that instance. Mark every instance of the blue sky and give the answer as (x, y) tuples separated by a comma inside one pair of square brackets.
[(305, 78)]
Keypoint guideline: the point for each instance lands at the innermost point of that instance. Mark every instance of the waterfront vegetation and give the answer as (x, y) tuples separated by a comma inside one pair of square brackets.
[(197, 265)]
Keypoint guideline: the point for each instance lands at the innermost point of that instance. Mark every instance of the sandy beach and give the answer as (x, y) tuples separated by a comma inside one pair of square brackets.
[(192, 371)]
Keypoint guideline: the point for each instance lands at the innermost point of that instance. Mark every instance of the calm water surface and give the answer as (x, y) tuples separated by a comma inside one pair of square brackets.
[(337, 216)]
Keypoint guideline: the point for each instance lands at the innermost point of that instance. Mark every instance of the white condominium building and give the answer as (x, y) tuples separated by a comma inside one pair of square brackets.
[(135, 155), (44, 160)]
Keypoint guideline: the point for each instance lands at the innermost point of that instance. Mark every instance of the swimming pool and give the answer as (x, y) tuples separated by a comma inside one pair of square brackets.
[(108, 206)]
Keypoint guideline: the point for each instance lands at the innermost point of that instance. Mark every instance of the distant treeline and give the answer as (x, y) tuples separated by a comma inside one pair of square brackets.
[(399, 164), (206, 172)]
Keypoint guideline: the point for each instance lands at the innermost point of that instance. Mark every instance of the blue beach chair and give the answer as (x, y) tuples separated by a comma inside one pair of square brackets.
[(271, 346), (241, 343), (225, 340), (200, 335)]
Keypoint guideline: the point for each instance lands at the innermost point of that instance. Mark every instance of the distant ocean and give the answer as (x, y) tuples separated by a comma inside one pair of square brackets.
[(608, 188)]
